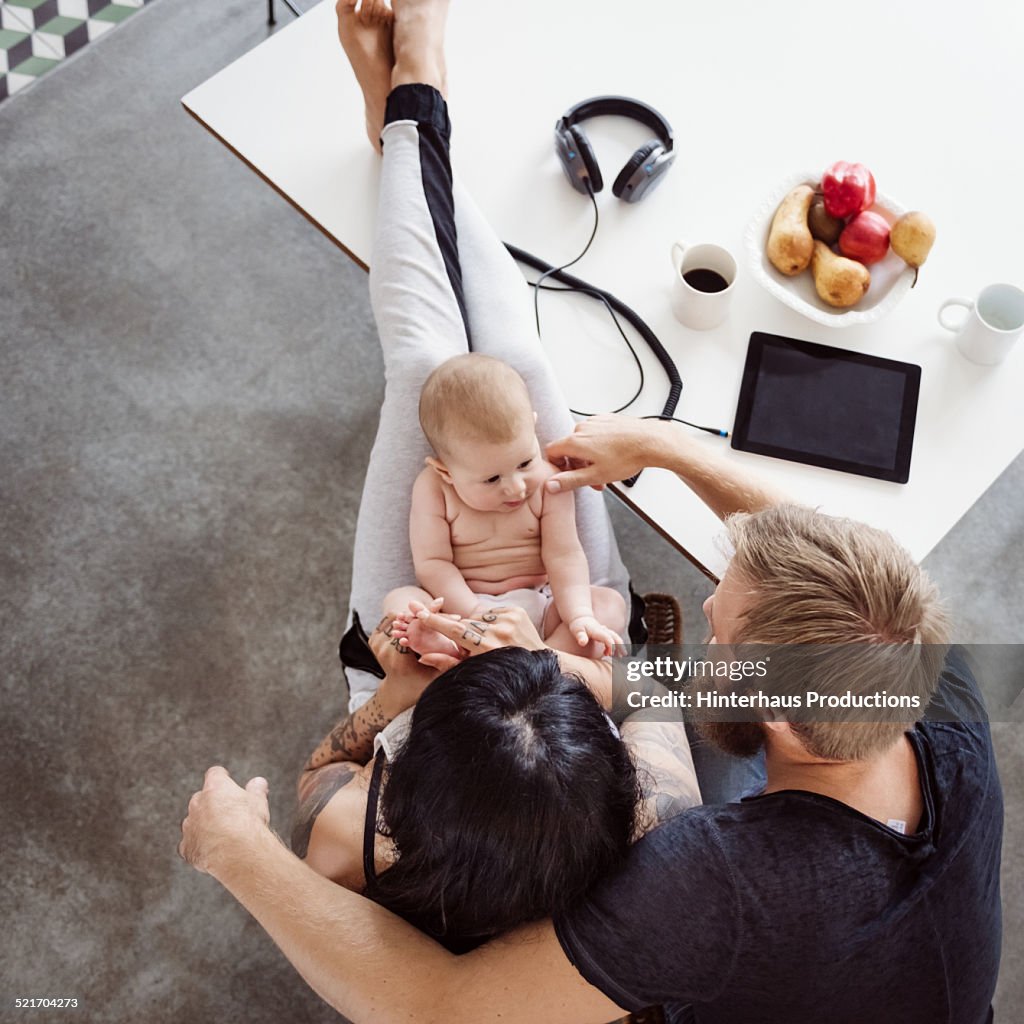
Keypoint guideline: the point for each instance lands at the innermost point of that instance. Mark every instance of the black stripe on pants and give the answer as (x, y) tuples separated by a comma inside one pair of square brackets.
[(426, 106)]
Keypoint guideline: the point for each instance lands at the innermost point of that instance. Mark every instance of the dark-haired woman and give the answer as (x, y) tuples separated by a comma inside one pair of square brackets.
[(500, 798)]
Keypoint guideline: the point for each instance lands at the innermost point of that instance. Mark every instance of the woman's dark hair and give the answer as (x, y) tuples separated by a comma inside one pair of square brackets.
[(509, 799)]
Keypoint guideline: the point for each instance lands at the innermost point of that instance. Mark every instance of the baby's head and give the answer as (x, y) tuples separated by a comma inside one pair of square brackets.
[(476, 413)]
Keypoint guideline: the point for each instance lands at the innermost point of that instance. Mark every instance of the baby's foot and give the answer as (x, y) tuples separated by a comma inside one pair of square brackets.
[(424, 640), (367, 37)]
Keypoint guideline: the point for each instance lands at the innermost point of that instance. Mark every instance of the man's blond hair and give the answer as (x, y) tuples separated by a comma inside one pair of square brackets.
[(473, 398), (816, 579)]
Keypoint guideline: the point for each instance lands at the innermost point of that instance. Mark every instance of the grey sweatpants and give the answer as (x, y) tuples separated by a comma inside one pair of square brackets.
[(440, 278)]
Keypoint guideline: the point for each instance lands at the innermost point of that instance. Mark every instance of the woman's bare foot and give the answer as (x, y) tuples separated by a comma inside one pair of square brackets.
[(419, 44), (366, 37)]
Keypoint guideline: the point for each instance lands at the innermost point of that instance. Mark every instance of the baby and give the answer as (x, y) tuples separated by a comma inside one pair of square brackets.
[(483, 529)]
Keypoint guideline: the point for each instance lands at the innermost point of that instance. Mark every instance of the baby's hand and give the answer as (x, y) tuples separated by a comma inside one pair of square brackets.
[(586, 629)]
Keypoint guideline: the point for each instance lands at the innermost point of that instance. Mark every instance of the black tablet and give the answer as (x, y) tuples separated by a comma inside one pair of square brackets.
[(828, 407)]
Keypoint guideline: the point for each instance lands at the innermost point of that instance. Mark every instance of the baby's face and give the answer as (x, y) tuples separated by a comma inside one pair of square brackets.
[(497, 477)]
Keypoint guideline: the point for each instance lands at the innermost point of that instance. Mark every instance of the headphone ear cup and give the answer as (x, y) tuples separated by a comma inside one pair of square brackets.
[(626, 184), (577, 159), (586, 152)]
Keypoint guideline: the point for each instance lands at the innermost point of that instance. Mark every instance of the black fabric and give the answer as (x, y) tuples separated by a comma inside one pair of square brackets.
[(354, 649), (425, 105), (792, 908), (370, 825), (637, 622)]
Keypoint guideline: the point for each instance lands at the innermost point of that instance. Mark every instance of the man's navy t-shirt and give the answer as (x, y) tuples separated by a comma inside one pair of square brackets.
[(795, 908)]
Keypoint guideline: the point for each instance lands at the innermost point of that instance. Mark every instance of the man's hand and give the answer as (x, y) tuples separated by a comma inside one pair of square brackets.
[(221, 815), (586, 628), (606, 448)]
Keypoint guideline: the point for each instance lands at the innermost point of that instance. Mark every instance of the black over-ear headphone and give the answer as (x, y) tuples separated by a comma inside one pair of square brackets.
[(642, 171)]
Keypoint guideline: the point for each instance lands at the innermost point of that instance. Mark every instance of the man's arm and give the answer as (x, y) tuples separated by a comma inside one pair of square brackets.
[(607, 448), (360, 958)]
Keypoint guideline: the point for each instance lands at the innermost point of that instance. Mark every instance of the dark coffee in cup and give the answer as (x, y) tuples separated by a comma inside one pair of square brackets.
[(704, 276), (705, 280)]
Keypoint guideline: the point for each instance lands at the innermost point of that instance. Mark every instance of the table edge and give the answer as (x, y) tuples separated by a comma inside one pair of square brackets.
[(284, 195)]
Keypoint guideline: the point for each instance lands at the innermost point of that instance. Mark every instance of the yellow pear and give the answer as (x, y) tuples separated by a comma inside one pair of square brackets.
[(839, 281), (789, 238), (911, 238)]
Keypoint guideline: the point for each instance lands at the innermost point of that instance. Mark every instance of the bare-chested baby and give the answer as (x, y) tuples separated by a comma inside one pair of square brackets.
[(483, 529)]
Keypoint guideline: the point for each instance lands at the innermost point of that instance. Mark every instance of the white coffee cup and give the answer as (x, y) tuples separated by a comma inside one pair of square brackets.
[(694, 302), (992, 324)]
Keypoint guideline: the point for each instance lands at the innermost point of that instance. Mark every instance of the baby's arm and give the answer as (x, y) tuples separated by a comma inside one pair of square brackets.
[(568, 571), (430, 538)]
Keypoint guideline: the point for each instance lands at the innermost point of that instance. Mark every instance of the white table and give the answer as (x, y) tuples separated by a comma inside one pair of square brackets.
[(755, 91)]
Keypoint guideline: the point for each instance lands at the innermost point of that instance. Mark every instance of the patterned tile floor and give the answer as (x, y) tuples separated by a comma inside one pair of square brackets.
[(36, 35)]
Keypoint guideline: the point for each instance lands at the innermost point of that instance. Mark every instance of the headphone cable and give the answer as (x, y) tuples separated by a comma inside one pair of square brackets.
[(696, 426), (536, 285), (539, 286), (575, 284)]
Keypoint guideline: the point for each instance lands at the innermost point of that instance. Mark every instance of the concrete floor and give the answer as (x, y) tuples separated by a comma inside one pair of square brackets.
[(191, 380)]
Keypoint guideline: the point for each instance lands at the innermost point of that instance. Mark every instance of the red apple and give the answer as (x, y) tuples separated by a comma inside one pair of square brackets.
[(847, 189), (865, 238)]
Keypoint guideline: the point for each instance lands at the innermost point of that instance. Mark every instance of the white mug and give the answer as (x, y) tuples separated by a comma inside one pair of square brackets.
[(692, 302), (992, 324)]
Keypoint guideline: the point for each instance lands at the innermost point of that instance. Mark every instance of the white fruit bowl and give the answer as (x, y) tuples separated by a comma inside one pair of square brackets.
[(891, 278)]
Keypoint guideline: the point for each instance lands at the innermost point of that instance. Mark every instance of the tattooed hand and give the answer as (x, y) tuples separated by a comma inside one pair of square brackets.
[(491, 629)]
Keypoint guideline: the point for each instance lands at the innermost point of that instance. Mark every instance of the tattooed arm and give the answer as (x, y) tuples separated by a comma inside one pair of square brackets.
[(325, 794), (351, 739), (662, 756), (324, 786), (328, 793), (404, 680)]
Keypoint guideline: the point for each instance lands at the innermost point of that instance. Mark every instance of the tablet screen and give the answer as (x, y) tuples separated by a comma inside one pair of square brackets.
[(827, 407)]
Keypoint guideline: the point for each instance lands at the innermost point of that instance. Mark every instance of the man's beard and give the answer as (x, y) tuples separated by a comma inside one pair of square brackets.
[(740, 739)]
